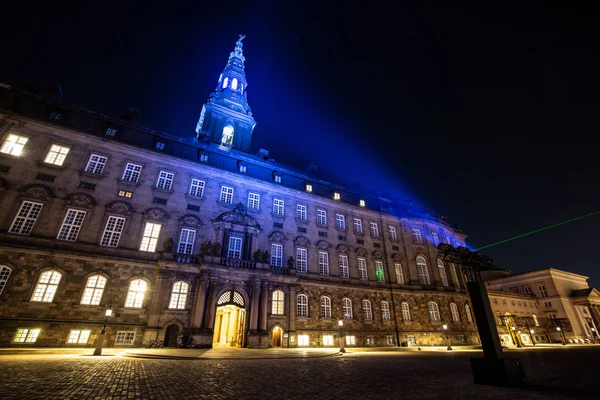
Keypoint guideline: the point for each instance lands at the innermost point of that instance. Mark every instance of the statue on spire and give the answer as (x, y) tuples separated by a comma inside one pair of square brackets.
[(239, 42), (238, 52)]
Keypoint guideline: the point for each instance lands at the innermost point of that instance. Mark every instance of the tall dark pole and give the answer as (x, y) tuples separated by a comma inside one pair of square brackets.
[(341, 324), (100, 342)]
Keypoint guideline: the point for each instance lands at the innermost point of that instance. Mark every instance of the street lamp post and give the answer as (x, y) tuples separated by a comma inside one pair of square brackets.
[(100, 342), (517, 338), (562, 336), (531, 332), (447, 337), (342, 349)]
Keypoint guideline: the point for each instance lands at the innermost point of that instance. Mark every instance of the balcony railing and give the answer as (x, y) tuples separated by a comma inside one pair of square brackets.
[(186, 258), (279, 270), (238, 263)]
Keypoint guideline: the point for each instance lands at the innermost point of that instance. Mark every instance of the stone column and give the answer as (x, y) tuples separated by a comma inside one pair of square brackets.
[(264, 298), (198, 310), (209, 315), (292, 310), (254, 307), (154, 310)]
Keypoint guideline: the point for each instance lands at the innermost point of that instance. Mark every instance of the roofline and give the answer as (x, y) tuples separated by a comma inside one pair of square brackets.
[(551, 271)]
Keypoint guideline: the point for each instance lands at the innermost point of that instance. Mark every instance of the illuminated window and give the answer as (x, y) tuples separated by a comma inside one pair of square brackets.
[(535, 320), (235, 247), (343, 260), (468, 313), (179, 295), (417, 238), (301, 259), (234, 83), (150, 237), (112, 231), (442, 270), (385, 311), (302, 306), (46, 286), (136, 293), (25, 335), (111, 132), (325, 307), (123, 193), (303, 340), (276, 255), (322, 217), (94, 287), (434, 312), (340, 221), (323, 263), (347, 308), (56, 155), (301, 212), (26, 217), (390, 340), (225, 82), (350, 340), (435, 238), (336, 196), (309, 188), (277, 303), (454, 312), (277, 178), (253, 201), (278, 207), (362, 269), (405, 311), (393, 234), (361, 203), (227, 137), (422, 271), (358, 228), (13, 144), (4, 275), (379, 271), (71, 225), (197, 188), (165, 180), (125, 337), (226, 195), (79, 337), (327, 340), (399, 274), (96, 164), (132, 172), (374, 229), (454, 275), (186, 241), (366, 309)]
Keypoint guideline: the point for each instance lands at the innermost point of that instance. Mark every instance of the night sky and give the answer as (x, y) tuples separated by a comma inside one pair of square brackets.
[(487, 115)]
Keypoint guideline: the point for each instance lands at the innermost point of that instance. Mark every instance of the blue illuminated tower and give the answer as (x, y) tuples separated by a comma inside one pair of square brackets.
[(226, 118)]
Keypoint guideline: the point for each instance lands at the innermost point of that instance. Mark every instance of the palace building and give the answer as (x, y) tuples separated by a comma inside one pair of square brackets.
[(204, 237)]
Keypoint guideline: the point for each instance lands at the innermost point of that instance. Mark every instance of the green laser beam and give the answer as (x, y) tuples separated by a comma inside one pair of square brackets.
[(538, 230)]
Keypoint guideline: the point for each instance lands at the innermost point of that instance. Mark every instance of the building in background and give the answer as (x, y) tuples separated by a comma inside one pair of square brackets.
[(203, 238), (530, 306)]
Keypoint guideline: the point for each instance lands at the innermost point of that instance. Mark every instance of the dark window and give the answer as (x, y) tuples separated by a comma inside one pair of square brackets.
[(323, 234), (277, 225), (55, 117), (395, 248), (4, 168), (301, 230), (360, 241), (193, 207), (45, 177), (87, 185), (158, 200), (341, 237), (111, 132), (159, 146), (377, 245)]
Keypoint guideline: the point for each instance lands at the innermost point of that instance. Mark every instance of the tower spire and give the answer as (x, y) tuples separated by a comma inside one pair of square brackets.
[(229, 105)]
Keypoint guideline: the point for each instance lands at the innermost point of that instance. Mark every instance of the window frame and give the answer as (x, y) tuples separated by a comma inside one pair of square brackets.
[(442, 272), (97, 166), (374, 229), (454, 312), (278, 206), (399, 273), (362, 272), (165, 180), (321, 217), (347, 306), (340, 221), (235, 252), (301, 306), (4, 277), (197, 186), (344, 266), (405, 307), (8, 146), (179, 295), (226, 194), (69, 231), (393, 232), (367, 310), (379, 277), (276, 256), (434, 311), (358, 226), (422, 271), (301, 212), (150, 236), (186, 244), (278, 302), (108, 235), (301, 261), (323, 263), (253, 201), (130, 173), (385, 311), (92, 294), (57, 154), (28, 221), (133, 299), (45, 289), (325, 307)]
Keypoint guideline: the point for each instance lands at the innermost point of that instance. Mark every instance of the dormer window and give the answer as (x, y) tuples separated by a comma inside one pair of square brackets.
[(336, 196), (242, 167), (276, 177), (227, 138), (361, 203), (203, 156), (308, 187), (225, 82), (234, 83), (55, 117)]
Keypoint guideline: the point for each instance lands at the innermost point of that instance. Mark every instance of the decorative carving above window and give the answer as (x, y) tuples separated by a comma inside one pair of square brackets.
[(238, 216), (190, 221), (343, 249), (323, 245), (119, 207), (38, 192), (377, 254), (80, 200), (301, 241), (396, 257), (156, 214), (361, 252), (277, 236)]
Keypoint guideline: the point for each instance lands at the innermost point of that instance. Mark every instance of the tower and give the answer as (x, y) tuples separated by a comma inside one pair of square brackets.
[(226, 118)]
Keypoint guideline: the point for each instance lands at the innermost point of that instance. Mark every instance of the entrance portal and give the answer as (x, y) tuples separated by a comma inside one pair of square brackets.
[(171, 334), (230, 320), (276, 342)]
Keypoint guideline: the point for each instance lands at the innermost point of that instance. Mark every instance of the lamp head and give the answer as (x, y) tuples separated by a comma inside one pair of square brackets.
[(108, 312), (340, 323), (558, 328), (513, 328), (532, 331), (445, 326)]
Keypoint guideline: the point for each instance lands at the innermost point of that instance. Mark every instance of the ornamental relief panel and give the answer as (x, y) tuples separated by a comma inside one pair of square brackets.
[(343, 249), (190, 221), (156, 214), (323, 245), (82, 200), (119, 207), (38, 192), (301, 241), (277, 236)]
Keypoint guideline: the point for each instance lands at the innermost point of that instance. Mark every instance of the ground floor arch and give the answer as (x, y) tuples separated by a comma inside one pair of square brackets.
[(276, 337), (230, 320), (171, 335)]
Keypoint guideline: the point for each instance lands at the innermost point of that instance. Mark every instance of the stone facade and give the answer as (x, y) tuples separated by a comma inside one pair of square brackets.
[(216, 250)]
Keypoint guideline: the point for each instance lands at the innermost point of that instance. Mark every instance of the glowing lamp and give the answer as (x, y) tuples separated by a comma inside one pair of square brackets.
[(340, 323), (361, 203), (108, 313), (308, 188), (445, 326), (558, 328)]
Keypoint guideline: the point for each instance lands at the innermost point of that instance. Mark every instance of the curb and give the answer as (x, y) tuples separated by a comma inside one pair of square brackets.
[(166, 357)]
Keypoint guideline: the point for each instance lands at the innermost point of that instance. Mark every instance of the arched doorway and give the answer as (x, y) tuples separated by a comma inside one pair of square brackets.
[(230, 320), (276, 337), (171, 334)]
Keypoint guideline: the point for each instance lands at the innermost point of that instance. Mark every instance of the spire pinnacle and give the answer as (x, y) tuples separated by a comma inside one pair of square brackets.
[(238, 52)]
